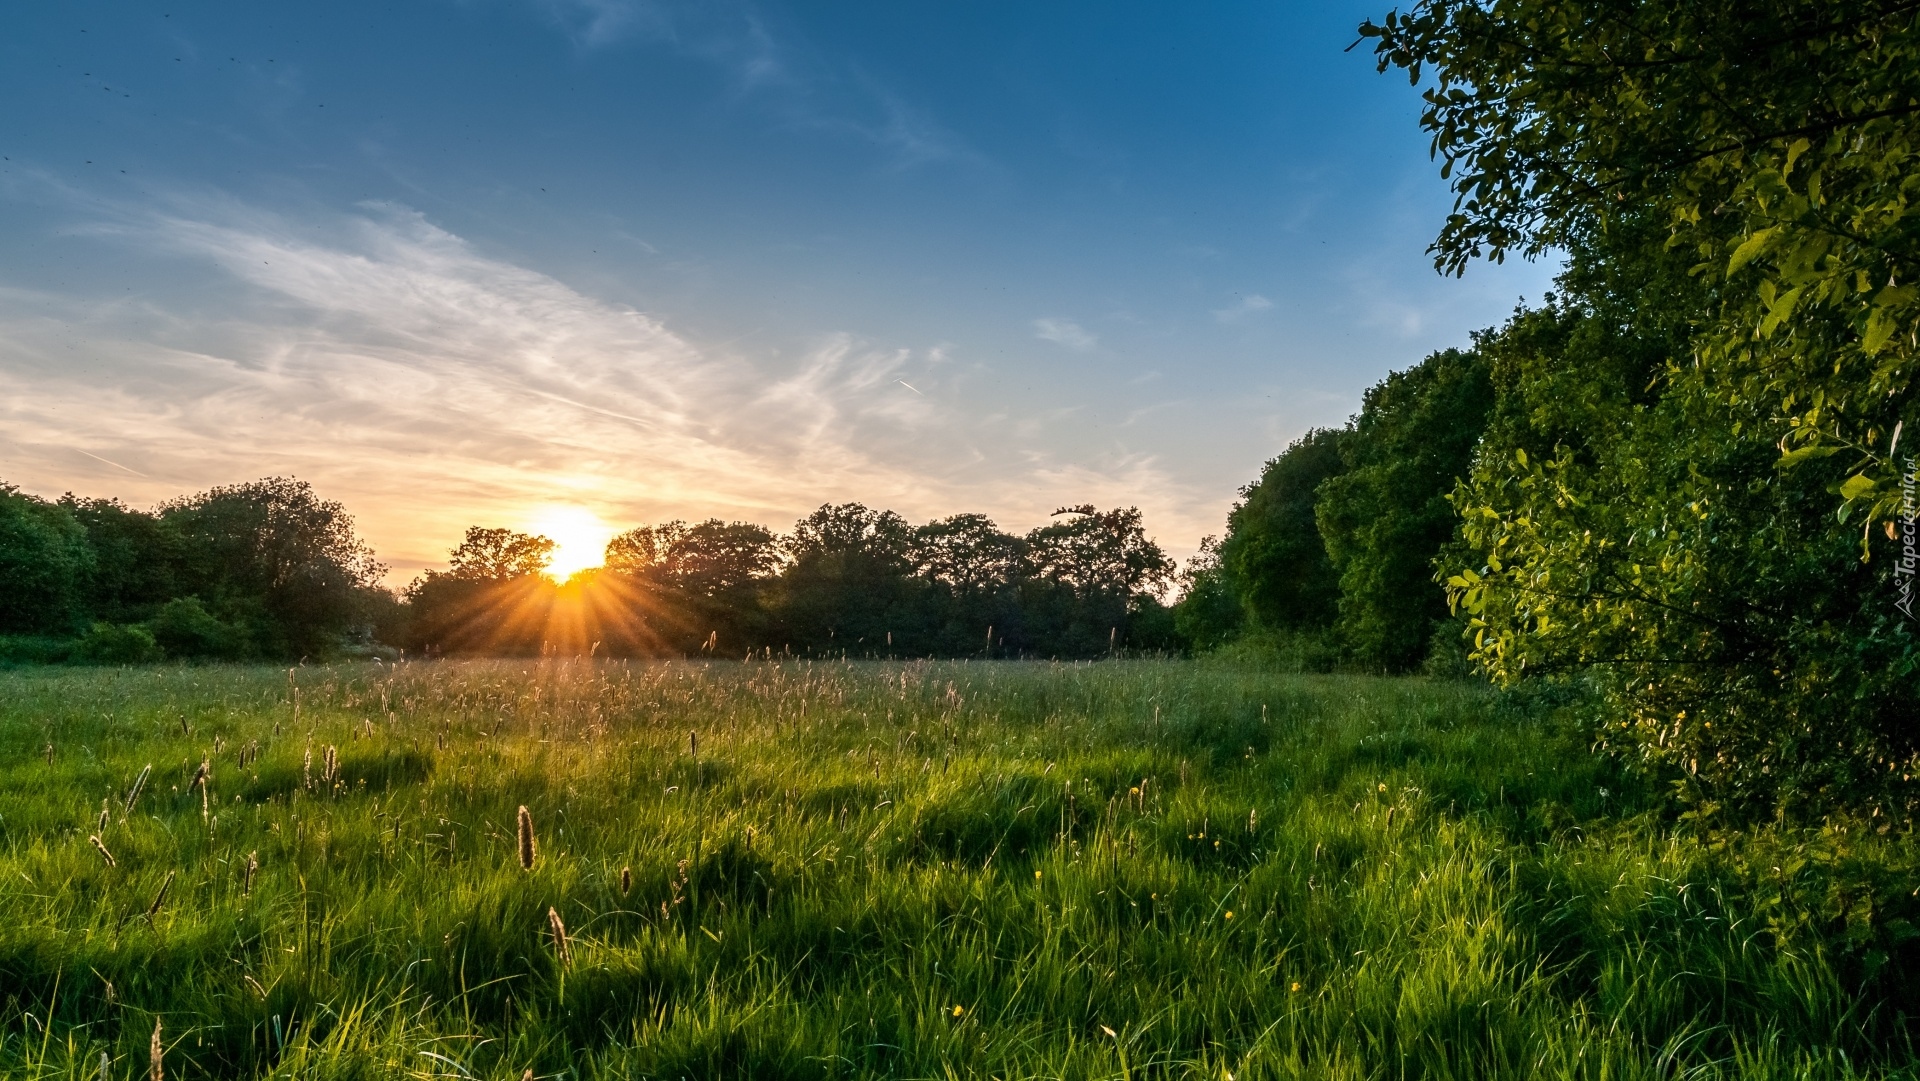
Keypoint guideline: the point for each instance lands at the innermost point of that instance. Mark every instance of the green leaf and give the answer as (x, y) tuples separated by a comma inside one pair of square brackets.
[(1856, 486), (1795, 457), (1781, 308), (1880, 328), (1894, 296), (1751, 247), (1798, 148)]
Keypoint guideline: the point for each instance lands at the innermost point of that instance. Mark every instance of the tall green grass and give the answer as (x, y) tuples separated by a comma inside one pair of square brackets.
[(1124, 869)]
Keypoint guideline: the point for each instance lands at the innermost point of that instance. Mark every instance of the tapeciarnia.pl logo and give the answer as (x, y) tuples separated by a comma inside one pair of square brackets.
[(1903, 571)]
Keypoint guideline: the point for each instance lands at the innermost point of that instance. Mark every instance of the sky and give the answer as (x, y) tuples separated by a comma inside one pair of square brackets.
[(581, 265)]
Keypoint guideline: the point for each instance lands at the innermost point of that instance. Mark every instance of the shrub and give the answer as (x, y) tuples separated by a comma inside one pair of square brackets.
[(184, 628), (116, 643)]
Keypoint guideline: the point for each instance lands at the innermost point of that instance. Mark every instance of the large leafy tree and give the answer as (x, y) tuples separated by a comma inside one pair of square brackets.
[(136, 556), (45, 564), (1095, 580), (968, 554), (709, 559), (847, 582), (1670, 498), (1776, 142), (493, 597), (695, 586), (1209, 613), (1385, 517), (1094, 551), (275, 556), (970, 572), (1273, 555), (499, 554)]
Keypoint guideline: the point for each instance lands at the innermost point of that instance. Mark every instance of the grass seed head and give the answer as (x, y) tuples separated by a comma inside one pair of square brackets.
[(626, 881), (559, 932), (101, 847), (161, 897), (139, 785), (528, 845), (154, 1051)]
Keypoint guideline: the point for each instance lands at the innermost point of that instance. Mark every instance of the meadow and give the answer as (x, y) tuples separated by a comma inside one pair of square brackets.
[(792, 869)]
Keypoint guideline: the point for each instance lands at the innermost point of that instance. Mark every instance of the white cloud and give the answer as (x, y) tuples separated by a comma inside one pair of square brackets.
[(430, 387), (1251, 304), (1064, 332)]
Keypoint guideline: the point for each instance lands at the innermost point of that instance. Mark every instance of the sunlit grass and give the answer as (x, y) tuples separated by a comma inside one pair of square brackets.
[(781, 869)]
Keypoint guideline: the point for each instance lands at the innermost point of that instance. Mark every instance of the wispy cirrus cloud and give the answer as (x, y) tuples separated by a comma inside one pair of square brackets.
[(773, 67), (432, 387), (598, 23), (1249, 305), (1065, 332)]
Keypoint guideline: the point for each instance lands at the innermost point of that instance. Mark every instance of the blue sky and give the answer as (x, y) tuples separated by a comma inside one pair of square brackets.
[(592, 263)]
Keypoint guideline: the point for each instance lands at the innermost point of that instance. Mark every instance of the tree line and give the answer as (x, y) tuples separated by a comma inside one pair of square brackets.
[(268, 570), (848, 580)]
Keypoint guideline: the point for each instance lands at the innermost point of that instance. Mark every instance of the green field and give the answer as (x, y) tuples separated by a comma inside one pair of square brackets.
[(784, 869)]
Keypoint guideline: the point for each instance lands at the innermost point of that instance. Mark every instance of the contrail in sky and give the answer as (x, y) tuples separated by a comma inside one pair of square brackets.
[(110, 462)]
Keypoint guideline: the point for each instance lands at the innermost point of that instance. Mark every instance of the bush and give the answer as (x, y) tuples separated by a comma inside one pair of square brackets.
[(116, 643), (184, 628)]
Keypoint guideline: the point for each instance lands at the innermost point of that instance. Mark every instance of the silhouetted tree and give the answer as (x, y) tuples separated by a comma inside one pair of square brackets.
[(969, 573), (499, 554), (690, 587), (1092, 575), (847, 582), (494, 596)]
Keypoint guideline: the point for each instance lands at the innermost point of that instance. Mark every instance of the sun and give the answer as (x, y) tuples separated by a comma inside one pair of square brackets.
[(579, 538)]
